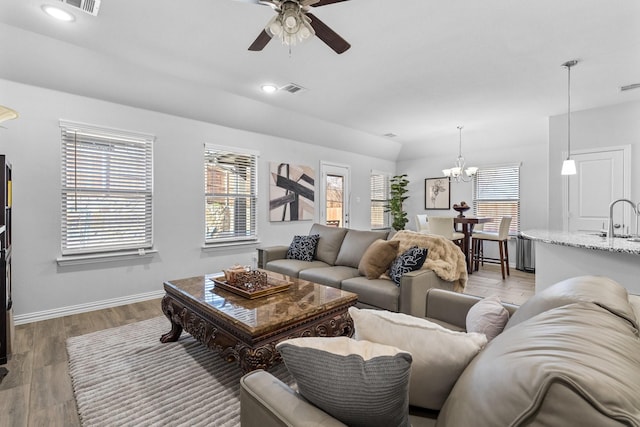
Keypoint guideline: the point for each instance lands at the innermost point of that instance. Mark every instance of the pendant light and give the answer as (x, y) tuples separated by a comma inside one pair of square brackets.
[(569, 165)]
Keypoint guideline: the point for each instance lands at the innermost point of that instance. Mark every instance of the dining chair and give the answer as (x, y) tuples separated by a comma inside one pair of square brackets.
[(444, 226), (422, 223), (502, 237)]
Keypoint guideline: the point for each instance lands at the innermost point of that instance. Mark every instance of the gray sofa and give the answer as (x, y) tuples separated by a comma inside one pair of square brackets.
[(335, 264), (569, 356)]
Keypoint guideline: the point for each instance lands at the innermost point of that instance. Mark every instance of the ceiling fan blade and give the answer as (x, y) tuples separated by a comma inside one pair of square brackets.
[(325, 2), (260, 42), (327, 35)]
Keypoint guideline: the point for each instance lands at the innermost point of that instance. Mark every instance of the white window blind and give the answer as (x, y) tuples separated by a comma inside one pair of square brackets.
[(230, 195), (106, 189), (379, 199), (497, 194)]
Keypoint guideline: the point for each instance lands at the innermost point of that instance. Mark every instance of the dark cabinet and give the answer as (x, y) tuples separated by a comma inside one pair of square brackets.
[(5, 256)]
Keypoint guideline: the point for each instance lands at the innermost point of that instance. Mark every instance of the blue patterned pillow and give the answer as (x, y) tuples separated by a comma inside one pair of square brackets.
[(303, 248), (410, 260)]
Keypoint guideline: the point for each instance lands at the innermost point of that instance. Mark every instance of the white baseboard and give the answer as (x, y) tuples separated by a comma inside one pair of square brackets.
[(83, 308)]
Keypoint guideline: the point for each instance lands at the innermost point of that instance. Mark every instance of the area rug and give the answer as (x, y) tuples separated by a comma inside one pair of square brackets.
[(126, 377)]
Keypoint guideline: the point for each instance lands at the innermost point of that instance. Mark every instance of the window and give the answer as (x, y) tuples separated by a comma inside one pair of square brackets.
[(106, 190), (379, 199), (496, 193), (230, 195)]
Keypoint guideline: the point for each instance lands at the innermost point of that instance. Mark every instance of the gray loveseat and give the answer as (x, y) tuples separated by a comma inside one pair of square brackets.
[(335, 264), (570, 356)]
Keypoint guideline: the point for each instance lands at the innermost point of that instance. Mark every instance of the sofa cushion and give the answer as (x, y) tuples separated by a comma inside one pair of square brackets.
[(577, 364), (378, 258), (439, 355), (381, 293), (355, 244), (602, 291), (293, 267), (360, 383), (410, 260), (488, 316), (329, 276), (329, 242), (303, 248)]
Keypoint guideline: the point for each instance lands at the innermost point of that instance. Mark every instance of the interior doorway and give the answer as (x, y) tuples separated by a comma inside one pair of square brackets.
[(602, 177), (334, 194)]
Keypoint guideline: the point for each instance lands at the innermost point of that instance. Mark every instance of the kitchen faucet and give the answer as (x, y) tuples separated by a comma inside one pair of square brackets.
[(635, 211)]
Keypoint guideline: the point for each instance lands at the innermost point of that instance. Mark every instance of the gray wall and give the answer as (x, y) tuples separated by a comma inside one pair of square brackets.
[(599, 127), (32, 143), (42, 289), (525, 144)]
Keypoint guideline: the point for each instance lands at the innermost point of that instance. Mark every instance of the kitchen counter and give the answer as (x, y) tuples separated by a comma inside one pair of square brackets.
[(561, 255), (585, 240)]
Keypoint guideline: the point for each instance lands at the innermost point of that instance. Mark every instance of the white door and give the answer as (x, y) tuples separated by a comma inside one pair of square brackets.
[(602, 177), (334, 194)]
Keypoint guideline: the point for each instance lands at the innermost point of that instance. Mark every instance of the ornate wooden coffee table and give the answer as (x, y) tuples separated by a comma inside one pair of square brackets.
[(245, 330)]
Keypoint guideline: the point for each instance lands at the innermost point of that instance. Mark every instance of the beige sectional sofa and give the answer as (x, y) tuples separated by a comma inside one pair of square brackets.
[(336, 261), (569, 356)]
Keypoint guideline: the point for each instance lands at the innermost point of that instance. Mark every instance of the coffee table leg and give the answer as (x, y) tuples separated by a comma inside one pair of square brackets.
[(176, 329)]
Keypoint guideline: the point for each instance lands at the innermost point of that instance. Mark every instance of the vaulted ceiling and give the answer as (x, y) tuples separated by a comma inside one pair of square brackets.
[(416, 68)]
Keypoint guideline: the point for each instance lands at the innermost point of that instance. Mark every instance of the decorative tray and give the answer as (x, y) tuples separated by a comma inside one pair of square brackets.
[(273, 286)]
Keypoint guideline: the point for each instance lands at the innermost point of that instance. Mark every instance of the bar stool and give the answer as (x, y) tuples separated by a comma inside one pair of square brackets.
[(502, 237), (422, 223), (443, 226)]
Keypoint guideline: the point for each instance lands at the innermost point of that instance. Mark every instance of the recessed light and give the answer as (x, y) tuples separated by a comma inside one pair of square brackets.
[(56, 12), (269, 88)]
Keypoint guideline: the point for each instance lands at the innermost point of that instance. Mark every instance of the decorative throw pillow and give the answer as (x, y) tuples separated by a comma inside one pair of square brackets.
[(439, 354), (378, 257), (303, 248), (357, 382), (410, 260), (488, 317)]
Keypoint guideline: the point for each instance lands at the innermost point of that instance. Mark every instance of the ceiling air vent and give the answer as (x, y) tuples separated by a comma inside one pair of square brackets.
[(89, 6), (293, 88)]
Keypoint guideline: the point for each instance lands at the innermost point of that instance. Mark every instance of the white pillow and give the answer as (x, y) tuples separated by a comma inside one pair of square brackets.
[(488, 317), (439, 354)]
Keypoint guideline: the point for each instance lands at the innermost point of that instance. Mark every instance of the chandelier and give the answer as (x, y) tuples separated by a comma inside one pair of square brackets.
[(7, 113), (290, 26), (569, 165), (458, 172)]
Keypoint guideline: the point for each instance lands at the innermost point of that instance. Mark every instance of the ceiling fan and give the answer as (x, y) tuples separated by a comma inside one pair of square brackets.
[(294, 24)]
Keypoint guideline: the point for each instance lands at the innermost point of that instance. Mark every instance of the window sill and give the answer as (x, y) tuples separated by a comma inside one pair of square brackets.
[(207, 247), (69, 260)]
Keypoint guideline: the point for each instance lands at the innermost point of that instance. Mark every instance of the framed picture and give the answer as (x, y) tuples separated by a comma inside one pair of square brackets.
[(291, 192), (437, 193)]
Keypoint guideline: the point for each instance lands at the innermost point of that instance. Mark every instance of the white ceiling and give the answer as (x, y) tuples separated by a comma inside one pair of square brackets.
[(416, 68)]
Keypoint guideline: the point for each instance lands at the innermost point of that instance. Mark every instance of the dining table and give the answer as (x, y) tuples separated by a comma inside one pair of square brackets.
[(466, 224)]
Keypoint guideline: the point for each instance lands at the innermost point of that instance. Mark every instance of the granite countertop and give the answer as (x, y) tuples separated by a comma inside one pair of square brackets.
[(584, 240)]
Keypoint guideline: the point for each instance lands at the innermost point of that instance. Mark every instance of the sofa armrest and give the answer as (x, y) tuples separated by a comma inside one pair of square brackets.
[(452, 307), (271, 253), (413, 290), (265, 401)]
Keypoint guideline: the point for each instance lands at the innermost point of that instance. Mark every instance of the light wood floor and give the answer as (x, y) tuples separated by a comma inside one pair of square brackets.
[(37, 391)]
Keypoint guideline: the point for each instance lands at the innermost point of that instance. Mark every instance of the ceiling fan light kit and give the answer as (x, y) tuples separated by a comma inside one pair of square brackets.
[(291, 26), (294, 24)]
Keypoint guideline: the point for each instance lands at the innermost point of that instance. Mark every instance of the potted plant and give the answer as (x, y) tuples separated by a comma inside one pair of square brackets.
[(397, 192)]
